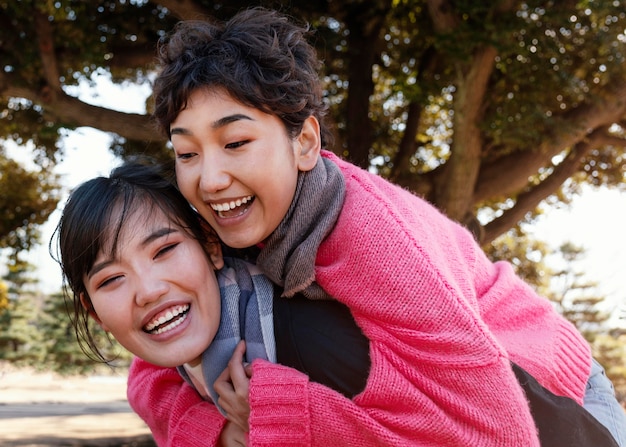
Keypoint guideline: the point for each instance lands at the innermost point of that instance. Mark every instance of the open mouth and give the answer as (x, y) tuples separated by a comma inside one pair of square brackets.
[(233, 208), (167, 321)]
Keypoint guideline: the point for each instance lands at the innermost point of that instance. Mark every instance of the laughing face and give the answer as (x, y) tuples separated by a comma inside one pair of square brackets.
[(158, 293), (237, 166)]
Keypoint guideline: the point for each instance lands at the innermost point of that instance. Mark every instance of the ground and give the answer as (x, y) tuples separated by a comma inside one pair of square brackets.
[(44, 409)]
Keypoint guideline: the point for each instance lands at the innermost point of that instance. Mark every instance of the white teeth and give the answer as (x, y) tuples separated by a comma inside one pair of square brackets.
[(168, 316), (170, 326), (220, 207)]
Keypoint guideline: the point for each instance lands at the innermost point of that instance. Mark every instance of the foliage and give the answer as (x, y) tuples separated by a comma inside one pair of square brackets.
[(36, 331), (27, 199), (475, 106), (4, 296), (576, 297), (63, 352), (20, 342)]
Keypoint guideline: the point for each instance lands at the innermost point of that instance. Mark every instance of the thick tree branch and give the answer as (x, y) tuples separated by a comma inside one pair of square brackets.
[(454, 188), (407, 147), (455, 191), (442, 14), (74, 112), (530, 199), (510, 173), (133, 126), (184, 9), (45, 39)]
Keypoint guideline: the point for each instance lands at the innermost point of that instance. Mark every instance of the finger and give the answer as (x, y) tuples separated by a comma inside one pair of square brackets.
[(225, 380), (232, 436), (239, 352), (237, 373), (248, 369)]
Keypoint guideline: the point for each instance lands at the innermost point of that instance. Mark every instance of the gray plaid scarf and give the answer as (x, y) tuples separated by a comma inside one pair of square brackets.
[(247, 314)]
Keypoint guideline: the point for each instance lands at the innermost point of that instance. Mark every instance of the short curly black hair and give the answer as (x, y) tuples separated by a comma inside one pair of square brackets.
[(260, 57)]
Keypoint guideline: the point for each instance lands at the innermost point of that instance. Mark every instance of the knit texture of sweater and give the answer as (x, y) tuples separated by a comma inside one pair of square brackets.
[(443, 322)]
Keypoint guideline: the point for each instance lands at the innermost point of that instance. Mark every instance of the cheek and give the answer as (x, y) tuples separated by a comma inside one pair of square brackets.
[(184, 181), (113, 314), (107, 318)]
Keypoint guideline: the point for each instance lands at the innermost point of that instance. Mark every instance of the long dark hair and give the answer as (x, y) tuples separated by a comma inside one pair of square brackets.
[(93, 217)]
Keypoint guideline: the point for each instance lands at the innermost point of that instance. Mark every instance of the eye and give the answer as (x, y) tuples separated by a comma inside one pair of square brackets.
[(185, 156), (237, 144), (108, 281), (182, 149), (166, 249)]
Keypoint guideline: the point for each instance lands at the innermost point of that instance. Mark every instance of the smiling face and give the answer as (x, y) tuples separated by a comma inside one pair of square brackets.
[(157, 292), (237, 166)]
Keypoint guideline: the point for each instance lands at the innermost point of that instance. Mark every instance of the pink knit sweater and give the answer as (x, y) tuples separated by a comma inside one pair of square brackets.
[(442, 320)]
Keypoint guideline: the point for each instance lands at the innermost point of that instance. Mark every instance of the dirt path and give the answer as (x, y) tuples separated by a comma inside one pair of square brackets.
[(43, 409)]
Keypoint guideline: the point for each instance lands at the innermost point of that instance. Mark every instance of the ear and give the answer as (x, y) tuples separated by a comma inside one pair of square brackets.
[(86, 302), (214, 249), (310, 144)]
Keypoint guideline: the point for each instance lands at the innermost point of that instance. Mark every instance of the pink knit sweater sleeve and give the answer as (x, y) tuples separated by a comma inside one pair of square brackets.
[(438, 375), (383, 226), (288, 410), (175, 413)]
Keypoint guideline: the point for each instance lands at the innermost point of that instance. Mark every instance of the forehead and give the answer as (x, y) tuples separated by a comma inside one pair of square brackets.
[(132, 220)]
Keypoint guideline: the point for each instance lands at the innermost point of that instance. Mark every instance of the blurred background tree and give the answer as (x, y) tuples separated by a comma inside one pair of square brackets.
[(472, 105), (63, 353), (485, 109), (36, 331)]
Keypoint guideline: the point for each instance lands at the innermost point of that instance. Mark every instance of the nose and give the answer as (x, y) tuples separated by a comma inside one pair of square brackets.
[(149, 289), (214, 176)]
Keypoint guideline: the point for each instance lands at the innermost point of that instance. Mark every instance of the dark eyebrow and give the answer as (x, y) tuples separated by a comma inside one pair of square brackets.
[(224, 121), (157, 234), (151, 237)]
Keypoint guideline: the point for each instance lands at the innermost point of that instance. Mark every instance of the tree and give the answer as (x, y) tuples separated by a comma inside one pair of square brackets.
[(576, 296), (474, 105), (63, 353), (36, 329), (20, 341), (27, 199)]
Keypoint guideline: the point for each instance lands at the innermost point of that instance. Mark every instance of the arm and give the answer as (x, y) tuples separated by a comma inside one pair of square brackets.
[(553, 350), (439, 377), (444, 258), (172, 409), (287, 409)]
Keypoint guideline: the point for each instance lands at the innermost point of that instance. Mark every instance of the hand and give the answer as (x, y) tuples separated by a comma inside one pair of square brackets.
[(232, 436), (232, 387)]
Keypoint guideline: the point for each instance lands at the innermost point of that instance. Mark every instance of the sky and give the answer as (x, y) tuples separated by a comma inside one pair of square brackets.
[(596, 220)]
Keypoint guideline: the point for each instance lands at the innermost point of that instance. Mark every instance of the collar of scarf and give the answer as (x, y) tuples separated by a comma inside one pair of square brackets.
[(288, 255), (246, 314)]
